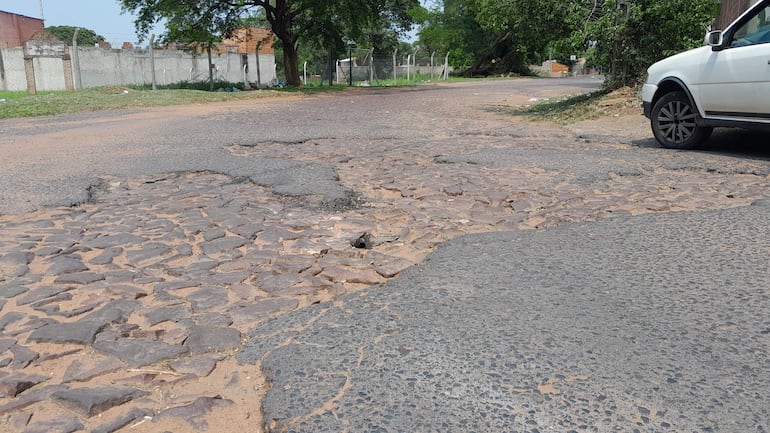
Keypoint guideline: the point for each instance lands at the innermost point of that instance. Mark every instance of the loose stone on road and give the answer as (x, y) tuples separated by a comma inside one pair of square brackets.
[(231, 231)]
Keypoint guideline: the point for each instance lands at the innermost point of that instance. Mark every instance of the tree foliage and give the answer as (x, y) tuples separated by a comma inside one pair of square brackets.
[(330, 24), (501, 36), (86, 37), (627, 41)]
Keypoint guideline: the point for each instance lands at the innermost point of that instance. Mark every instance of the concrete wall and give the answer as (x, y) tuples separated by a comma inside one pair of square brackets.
[(110, 67), (12, 76)]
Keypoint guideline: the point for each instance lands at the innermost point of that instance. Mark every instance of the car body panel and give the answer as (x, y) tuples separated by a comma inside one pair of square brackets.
[(729, 83)]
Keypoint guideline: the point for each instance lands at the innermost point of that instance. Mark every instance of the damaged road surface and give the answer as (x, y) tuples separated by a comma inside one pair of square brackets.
[(627, 324), (392, 260)]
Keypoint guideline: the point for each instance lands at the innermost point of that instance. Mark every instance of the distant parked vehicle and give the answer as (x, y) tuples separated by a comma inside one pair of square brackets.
[(725, 83)]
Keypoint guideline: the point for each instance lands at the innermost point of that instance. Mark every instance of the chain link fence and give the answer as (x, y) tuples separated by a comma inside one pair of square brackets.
[(368, 67)]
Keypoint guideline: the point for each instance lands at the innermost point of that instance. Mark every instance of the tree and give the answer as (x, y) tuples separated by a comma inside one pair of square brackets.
[(454, 29), (629, 39), (86, 37), (498, 36), (331, 23)]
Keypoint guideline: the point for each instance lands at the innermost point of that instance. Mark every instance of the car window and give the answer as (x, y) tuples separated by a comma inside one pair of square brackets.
[(755, 31)]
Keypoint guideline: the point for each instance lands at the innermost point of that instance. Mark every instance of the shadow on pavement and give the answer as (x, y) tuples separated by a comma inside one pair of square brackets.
[(735, 142)]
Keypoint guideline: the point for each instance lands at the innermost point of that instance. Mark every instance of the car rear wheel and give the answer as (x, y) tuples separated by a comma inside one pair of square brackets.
[(674, 122)]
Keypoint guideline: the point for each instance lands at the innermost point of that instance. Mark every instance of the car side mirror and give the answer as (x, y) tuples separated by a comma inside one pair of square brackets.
[(715, 40)]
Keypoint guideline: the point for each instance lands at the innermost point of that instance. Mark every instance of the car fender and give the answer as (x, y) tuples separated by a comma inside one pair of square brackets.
[(673, 83)]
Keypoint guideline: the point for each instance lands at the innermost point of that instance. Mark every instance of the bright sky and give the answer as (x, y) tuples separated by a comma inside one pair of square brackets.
[(101, 16)]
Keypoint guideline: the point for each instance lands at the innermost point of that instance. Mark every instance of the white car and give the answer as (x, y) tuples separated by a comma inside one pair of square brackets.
[(725, 83)]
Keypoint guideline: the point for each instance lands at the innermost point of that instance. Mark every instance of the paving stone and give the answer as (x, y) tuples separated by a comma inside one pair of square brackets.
[(198, 365), (213, 320), (107, 256), (237, 265), (274, 235), (116, 311), (138, 353), (45, 357), (16, 258), (167, 314), (59, 424), (32, 323), (274, 281), (82, 370), (14, 384), (79, 278), (184, 250), (388, 265), (12, 290), (30, 397), (6, 343), (344, 274), (127, 291), (80, 332), (18, 421), (176, 285), (41, 293), (22, 356), (45, 304), (132, 416), (204, 339), (93, 401), (117, 240), (195, 412), (47, 251), (207, 298), (229, 278), (214, 233), (149, 253), (222, 244), (249, 312), (295, 263), (60, 265)]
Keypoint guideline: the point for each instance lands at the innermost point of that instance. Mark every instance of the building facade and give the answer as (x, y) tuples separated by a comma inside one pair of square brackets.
[(16, 29)]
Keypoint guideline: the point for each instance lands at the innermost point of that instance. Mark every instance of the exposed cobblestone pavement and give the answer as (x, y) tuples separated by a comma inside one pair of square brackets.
[(124, 313)]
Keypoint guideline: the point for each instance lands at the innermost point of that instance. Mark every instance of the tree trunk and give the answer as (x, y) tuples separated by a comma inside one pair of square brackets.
[(281, 20), (291, 64)]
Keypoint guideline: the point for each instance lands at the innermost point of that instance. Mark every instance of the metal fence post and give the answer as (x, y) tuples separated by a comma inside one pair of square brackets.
[(78, 84), (395, 68), (152, 62), (371, 67), (431, 65)]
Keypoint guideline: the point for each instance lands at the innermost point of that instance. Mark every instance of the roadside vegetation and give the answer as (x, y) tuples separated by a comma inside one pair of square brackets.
[(576, 108), (21, 104)]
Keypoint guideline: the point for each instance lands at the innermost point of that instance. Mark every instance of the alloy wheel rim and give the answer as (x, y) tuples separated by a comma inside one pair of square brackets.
[(677, 121)]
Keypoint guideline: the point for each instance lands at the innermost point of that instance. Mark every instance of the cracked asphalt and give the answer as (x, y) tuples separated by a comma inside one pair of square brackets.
[(191, 269)]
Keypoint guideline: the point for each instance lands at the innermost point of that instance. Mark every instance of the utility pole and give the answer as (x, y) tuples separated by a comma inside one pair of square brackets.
[(42, 14)]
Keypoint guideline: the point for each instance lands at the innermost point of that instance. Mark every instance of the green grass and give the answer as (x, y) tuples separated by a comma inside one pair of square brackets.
[(20, 104), (568, 109)]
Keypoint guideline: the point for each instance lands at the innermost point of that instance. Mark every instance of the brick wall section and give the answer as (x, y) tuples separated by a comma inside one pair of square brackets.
[(245, 40), (16, 29)]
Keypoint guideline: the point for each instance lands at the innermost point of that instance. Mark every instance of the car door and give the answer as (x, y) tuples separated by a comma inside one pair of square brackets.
[(735, 80)]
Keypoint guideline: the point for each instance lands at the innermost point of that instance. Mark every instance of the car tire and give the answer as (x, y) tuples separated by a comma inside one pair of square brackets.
[(675, 122)]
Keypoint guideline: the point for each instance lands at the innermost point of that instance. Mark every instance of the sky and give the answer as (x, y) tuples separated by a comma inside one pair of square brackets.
[(102, 16)]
